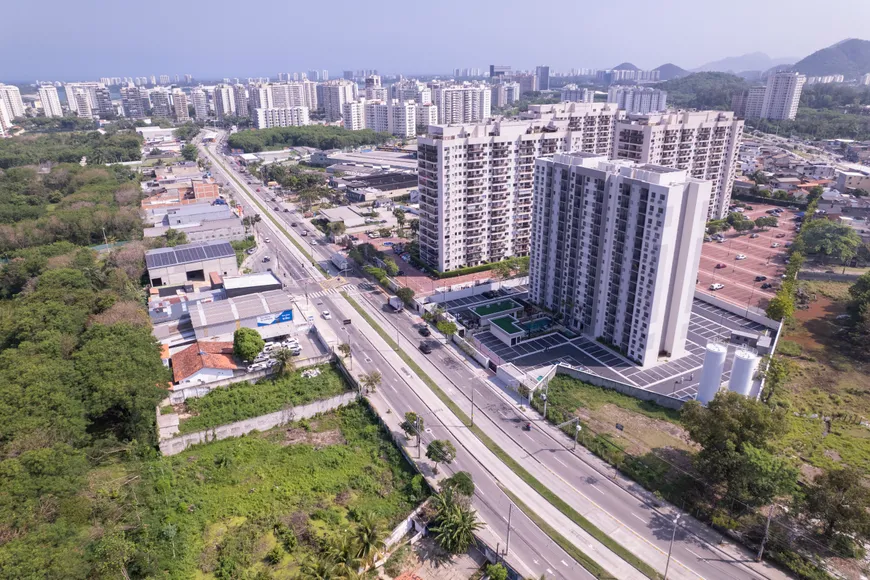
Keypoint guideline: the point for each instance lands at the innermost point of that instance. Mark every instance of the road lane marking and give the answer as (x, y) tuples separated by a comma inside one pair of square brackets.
[(638, 517)]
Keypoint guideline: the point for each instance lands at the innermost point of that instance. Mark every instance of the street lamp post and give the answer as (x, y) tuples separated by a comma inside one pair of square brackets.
[(577, 430), (472, 404), (671, 546)]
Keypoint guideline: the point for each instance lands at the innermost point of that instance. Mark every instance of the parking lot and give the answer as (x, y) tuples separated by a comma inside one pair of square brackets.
[(678, 377), (762, 263)]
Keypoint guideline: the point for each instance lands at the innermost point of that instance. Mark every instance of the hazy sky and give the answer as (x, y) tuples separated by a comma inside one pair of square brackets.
[(62, 40)]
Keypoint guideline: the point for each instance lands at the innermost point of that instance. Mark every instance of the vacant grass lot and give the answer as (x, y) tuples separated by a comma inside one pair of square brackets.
[(245, 400), (830, 379), (217, 510)]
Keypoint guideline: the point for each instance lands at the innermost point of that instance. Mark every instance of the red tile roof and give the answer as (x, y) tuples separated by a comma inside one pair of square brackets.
[(203, 355)]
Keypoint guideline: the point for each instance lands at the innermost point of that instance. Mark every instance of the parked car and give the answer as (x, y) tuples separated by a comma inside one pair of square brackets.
[(708, 239), (267, 259), (740, 257), (250, 251), (753, 236), (780, 235), (716, 286), (760, 278), (720, 265), (774, 245), (720, 240), (766, 285)]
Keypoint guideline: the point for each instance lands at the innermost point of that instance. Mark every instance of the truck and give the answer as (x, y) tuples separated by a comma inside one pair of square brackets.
[(339, 260), (396, 303)]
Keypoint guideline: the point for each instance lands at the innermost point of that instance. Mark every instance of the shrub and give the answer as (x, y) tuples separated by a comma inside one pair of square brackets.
[(789, 348)]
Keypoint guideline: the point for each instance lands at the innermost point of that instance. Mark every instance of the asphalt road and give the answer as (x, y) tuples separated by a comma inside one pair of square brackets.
[(578, 478), (531, 550)]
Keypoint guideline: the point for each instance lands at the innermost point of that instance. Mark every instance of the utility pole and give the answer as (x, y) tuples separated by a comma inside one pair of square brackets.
[(671, 546), (417, 429), (507, 546), (766, 530), (472, 405)]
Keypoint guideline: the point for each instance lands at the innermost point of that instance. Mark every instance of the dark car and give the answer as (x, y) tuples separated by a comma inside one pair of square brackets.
[(425, 347), (277, 208), (424, 331), (766, 285), (294, 224), (400, 273), (760, 278)]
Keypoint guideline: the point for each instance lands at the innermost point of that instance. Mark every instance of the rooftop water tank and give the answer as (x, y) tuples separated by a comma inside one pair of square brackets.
[(743, 371), (711, 373)]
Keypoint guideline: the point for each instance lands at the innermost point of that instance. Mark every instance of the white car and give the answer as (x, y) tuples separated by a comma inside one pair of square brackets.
[(774, 245), (716, 286), (740, 257), (268, 241), (326, 315)]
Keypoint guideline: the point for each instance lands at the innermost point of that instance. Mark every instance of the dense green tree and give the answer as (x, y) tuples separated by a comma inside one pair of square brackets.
[(371, 381), (446, 328), (840, 501), (766, 222), (496, 572), (247, 343), (704, 90), (441, 451), (173, 237), (319, 136), (390, 267), (762, 476), (413, 424), (189, 152), (455, 524), (460, 482), (187, 131), (780, 306), (369, 538), (830, 239), (727, 430), (285, 359), (406, 294)]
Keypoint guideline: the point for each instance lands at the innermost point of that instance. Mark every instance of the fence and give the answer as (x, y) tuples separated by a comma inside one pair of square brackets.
[(444, 295), (493, 358), (749, 313), (471, 351), (261, 423), (181, 393)]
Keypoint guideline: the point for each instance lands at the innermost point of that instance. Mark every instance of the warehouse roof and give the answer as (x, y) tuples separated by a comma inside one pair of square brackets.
[(250, 280), (240, 308), (188, 253)]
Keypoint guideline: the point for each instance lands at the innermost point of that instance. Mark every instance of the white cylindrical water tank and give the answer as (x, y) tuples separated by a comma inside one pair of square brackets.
[(711, 373), (743, 371)]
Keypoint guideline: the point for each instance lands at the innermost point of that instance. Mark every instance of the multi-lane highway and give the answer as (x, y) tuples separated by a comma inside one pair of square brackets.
[(619, 509)]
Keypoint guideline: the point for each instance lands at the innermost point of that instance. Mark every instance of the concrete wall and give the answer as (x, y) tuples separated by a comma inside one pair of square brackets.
[(261, 423), (469, 349), (625, 389), (751, 313)]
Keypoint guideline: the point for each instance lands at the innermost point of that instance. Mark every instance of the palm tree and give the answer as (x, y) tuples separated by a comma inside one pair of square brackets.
[(319, 568), (369, 540), (454, 530), (285, 361), (370, 381), (343, 552)]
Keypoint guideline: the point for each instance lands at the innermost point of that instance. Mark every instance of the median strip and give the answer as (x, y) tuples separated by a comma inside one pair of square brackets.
[(527, 477), (299, 246)]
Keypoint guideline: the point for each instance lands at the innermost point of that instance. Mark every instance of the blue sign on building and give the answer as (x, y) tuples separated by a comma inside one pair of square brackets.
[(275, 318)]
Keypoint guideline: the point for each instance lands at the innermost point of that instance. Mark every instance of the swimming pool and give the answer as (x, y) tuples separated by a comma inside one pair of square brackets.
[(539, 324)]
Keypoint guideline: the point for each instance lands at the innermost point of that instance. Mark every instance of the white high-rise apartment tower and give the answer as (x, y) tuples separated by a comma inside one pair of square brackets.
[(465, 103), (782, 95), (286, 117), (82, 103), (50, 101), (377, 116), (334, 95), (11, 96), (161, 106), (224, 101), (353, 115), (638, 99), (475, 180), (703, 142), (199, 99), (241, 101), (179, 106), (615, 250), (578, 95)]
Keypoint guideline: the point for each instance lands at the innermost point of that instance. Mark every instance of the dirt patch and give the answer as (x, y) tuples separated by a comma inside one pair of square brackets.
[(318, 440), (817, 323), (832, 455), (640, 434)]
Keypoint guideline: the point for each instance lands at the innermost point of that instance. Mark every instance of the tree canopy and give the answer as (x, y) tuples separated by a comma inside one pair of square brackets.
[(247, 343), (830, 239), (703, 90), (319, 136)]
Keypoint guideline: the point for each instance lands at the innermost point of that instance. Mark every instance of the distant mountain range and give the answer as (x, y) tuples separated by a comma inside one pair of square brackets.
[(850, 57), (670, 71), (754, 61), (625, 66)]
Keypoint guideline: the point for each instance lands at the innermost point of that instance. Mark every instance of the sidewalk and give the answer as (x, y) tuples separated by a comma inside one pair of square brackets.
[(574, 533)]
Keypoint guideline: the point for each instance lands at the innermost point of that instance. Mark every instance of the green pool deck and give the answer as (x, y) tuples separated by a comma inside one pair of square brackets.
[(507, 324), (495, 308)]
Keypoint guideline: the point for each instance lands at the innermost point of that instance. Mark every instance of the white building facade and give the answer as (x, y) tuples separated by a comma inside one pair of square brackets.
[(782, 95), (353, 115), (475, 180), (638, 99), (199, 99), (465, 103), (705, 143), (50, 101), (576, 94), (616, 247), (283, 117), (10, 95)]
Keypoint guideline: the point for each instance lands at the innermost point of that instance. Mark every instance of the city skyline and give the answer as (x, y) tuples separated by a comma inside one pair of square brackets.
[(101, 51)]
